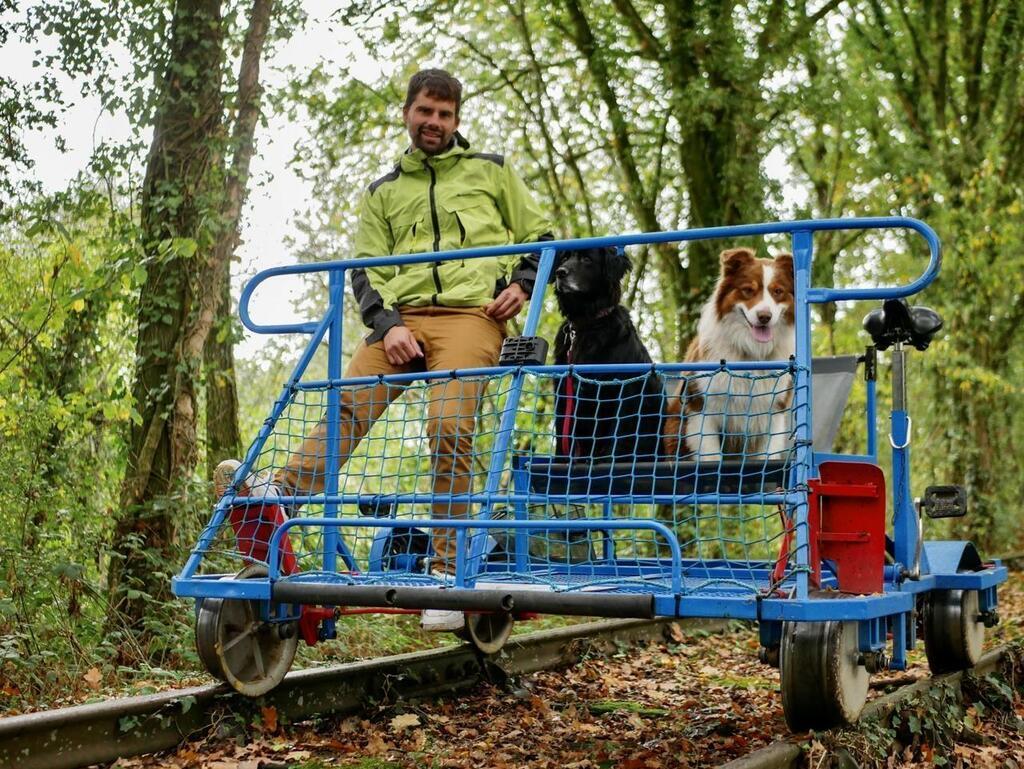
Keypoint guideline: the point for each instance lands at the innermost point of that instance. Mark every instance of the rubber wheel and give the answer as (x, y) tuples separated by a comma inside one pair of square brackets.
[(953, 634), (823, 682), (487, 632), (236, 646)]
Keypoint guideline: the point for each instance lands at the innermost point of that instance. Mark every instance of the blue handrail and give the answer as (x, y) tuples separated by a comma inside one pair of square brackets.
[(330, 325), (815, 295)]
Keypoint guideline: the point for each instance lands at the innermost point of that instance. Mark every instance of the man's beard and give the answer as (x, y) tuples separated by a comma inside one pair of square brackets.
[(435, 145)]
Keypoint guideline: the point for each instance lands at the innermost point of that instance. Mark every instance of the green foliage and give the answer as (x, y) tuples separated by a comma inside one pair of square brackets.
[(68, 260), (915, 114), (929, 725), (75, 264), (890, 109)]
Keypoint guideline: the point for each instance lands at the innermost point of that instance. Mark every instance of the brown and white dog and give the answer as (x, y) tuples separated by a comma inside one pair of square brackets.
[(750, 316)]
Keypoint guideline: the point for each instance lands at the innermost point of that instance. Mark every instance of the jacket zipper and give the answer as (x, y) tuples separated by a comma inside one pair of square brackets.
[(462, 229), (437, 229)]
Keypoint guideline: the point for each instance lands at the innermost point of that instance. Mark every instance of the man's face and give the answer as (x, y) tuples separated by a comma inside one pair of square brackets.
[(431, 123)]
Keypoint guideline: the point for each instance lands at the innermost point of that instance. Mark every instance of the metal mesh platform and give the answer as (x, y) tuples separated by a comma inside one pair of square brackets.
[(363, 499)]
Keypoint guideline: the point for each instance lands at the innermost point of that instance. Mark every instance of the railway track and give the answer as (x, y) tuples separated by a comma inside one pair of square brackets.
[(785, 754), (90, 734)]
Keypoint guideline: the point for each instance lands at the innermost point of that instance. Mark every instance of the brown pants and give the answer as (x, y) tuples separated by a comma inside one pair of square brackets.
[(451, 337)]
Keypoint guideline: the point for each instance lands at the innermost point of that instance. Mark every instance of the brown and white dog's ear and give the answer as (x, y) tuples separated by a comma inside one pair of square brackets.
[(735, 258), (784, 262)]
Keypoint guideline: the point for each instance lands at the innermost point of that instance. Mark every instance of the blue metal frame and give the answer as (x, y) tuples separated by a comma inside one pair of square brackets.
[(876, 612)]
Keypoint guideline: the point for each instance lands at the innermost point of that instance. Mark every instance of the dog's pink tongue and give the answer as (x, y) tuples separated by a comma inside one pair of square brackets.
[(762, 333)]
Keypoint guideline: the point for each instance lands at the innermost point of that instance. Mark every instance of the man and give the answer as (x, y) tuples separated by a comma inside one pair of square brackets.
[(434, 316)]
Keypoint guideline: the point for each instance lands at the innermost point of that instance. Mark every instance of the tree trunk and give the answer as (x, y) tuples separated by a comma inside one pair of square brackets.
[(178, 204), (222, 433), (223, 437), (713, 88)]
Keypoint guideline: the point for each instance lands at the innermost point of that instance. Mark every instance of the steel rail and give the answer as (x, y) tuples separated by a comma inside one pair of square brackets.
[(784, 754), (90, 734)]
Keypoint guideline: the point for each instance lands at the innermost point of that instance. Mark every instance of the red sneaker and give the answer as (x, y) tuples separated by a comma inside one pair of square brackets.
[(255, 522)]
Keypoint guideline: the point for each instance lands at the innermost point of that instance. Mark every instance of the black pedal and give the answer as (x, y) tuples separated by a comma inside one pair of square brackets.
[(523, 351), (945, 501)]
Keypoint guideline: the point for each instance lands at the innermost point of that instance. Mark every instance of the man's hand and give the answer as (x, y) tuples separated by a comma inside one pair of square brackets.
[(400, 346), (507, 304)]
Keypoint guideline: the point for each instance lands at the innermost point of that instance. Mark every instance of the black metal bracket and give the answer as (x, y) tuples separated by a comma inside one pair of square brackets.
[(870, 361), (523, 351)]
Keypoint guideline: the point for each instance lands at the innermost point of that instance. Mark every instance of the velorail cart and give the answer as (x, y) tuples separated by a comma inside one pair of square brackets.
[(826, 551)]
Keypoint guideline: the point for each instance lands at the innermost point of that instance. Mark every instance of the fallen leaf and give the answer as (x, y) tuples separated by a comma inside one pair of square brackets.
[(93, 678), (375, 746), (269, 716), (635, 721), (404, 721), (417, 740)]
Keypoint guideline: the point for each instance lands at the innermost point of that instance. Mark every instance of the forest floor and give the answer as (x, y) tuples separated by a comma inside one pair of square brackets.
[(697, 700)]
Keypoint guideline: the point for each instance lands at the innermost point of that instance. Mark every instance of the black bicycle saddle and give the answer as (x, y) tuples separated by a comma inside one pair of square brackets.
[(896, 321)]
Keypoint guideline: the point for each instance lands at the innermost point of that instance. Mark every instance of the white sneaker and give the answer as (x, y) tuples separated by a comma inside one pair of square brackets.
[(438, 620)]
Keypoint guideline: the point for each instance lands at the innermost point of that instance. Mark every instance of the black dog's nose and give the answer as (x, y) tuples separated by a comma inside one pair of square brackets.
[(561, 272), (763, 317)]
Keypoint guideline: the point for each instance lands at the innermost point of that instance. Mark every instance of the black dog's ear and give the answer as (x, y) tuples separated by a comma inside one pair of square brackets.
[(616, 263)]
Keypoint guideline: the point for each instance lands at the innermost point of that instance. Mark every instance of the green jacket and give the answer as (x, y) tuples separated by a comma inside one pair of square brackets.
[(457, 199)]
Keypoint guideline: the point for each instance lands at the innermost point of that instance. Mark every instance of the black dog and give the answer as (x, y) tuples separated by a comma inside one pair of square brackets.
[(618, 418)]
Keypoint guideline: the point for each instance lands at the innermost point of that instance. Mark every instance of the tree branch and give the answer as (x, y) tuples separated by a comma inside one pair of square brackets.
[(650, 46), (765, 40), (889, 57), (924, 68), (621, 144), (801, 30), (974, 61)]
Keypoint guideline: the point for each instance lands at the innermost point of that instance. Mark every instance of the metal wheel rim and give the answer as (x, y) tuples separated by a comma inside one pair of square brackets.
[(972, 628), (823, 682), (954, 635), (851, 677), (236, 646), (253, 655), (489, 632)]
